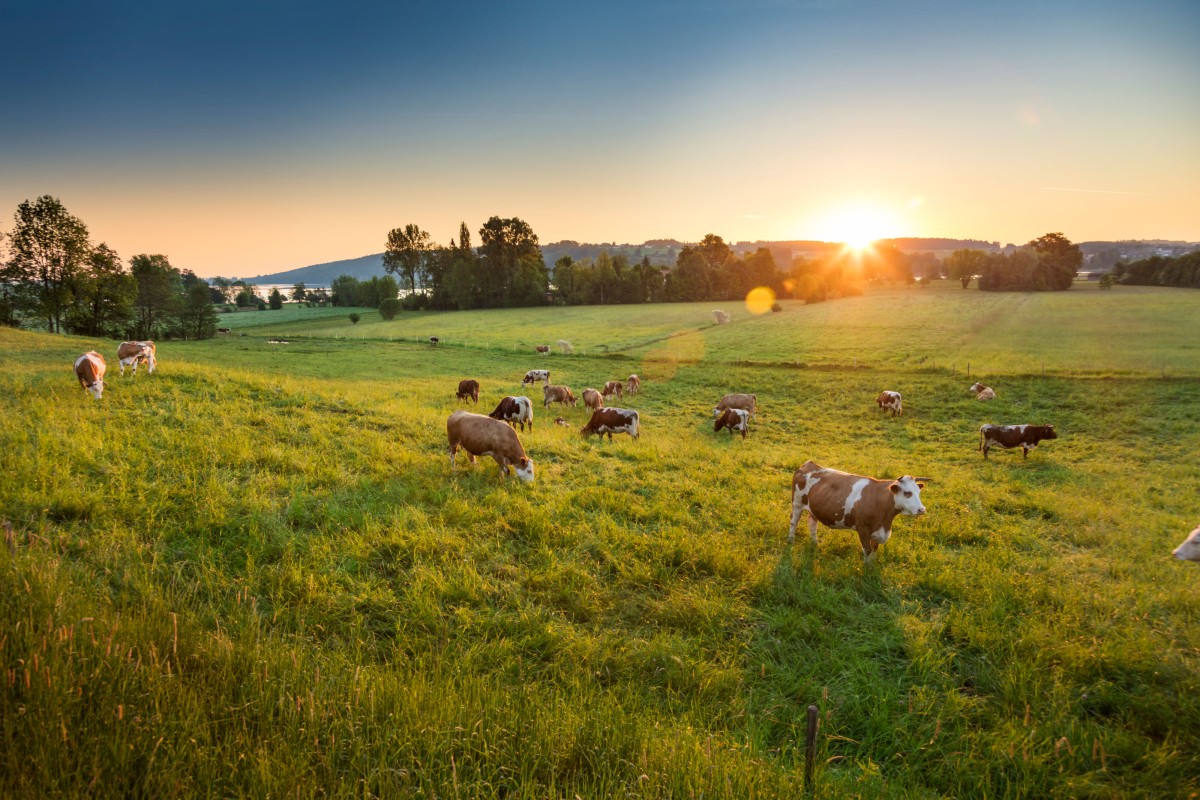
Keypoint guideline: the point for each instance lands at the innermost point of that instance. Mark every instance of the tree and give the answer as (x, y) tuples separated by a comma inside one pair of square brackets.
[(197, 319), (406, 252), (48, 248), (159, 286), (389, 308), (344, 290), (103, 294), (354, 318), (965, 264), (298, 292), (1058, 262), (244, 295), (275, 299), (509, 251)]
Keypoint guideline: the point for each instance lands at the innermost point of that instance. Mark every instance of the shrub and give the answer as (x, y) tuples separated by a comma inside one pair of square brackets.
[(389, 308), (262, 306), (776, 307), (354, 318), (1107, 281), (415, 302)]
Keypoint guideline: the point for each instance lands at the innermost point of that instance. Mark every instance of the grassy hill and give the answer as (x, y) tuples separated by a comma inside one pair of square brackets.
[(255, 572)]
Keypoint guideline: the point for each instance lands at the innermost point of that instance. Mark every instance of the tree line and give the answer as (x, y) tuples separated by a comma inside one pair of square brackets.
[(1183, 271), (52, 276), (1048, 263)]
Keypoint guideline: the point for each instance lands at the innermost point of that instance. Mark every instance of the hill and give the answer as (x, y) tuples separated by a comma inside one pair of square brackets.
[(362, 268)]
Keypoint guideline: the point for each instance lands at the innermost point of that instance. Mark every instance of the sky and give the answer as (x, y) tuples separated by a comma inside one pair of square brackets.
[(244, 138)]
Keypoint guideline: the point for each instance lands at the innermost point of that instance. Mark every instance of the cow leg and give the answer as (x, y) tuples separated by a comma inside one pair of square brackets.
[(453, 452), (797, 510), (984, 453), (812, 527), (1024, 453)]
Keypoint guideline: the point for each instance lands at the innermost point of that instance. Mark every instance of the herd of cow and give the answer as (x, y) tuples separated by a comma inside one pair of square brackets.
[(836, 499)]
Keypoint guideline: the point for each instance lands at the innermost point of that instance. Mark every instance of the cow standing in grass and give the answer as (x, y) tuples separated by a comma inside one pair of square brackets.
[(468, 390), (134, 353), (1025, 437), (890, 401), (484, 436), (89, 369), (515, 411)]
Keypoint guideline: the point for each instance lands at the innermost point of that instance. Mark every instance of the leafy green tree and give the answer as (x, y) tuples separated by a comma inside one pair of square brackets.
[(389, 308), (48, 248), (354, 318), (245, 295), (103, 295), (298, 292), (159, 286), (343, 291), (1058, 262), (406, 251), (11, 290), (963, 265), (225, 287), (510, 255), (275, 299), (197, 319)]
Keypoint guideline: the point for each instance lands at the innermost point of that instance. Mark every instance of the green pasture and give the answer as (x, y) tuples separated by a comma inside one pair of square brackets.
[(254, 573)]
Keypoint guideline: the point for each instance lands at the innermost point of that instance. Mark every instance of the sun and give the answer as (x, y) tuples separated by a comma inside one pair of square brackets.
[(857, 225)]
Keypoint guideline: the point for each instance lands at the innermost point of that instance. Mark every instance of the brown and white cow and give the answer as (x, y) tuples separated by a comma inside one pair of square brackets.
[(735, 419), (1025, 437), (613, 387), (852, 502), (483, 436), (1190, 549), (515, 411), (134, 353), (89, 368), (746, 402), (468, 389), (983, 392), (633, 384), (890, 401), (592, 399), (544, 349), (557, 394), (610, 421), (535, 375)]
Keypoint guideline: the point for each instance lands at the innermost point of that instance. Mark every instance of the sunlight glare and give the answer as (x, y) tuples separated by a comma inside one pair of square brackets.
[(857, 226), (760, 300)]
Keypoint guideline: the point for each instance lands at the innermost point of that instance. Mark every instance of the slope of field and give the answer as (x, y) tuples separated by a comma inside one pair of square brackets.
[(255, 573)]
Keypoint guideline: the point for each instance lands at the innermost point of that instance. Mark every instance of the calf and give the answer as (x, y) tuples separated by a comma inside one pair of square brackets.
[(613, 387), (1025, 437), (468, 389), (484, 436), (515, 411), (633, 384), (735, 419), (544, 349), (535, 375), (983, 392), (890, 401), (1190, 549), (592, 399), (134, 353), (562, 422), (746, 402), (89, 368), (610, 421), (557, 394), (852, 502)]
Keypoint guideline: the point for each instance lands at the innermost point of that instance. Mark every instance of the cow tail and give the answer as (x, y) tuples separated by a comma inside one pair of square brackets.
[(981, 439)]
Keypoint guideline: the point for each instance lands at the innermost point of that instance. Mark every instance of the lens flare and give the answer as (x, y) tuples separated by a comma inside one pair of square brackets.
[(760, 300)]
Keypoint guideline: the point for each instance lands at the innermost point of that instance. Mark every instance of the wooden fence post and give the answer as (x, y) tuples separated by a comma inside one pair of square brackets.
[(810, 751)]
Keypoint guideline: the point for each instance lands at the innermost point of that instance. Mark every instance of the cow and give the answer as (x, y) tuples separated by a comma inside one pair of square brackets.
[(890, 401), (565, 347), (535, 375), (592, 399), (433, 340), (223, 330), (852, 502), (610, 421), (562, 422), (480, 435), (1025, 437), (983, 392), (633, 384), (720, 317), (1190, 549), (746, 402), (735, 419), (468, 389), (558, 394), (613, 387), (89, 368), (515, 411), (544, 349), (134, 353)]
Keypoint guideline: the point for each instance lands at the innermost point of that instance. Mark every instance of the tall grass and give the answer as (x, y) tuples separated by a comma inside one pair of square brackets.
[(255, 573)]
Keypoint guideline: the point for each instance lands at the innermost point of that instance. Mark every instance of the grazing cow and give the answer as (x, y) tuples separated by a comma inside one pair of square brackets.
[(746, 402), (515, 411), (1190, 549), (484, 436), (613, 387), (1025, 437), (633, 384), (720, 317), (223, 330), (134, 353), (890, 401), (565, 347), (557, 394), (852, 502), (535, 375), (544, 349), (592, 399), (735, 419), (983, 392), (468, 389), (610, 421), (89, 368), (433, 340), (562, 422)]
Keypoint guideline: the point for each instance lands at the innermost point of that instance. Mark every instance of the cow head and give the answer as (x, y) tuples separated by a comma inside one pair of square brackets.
[(977, 387), (1048, 432), (524, 469), (907, 493), (97, 388), (1190, 549)]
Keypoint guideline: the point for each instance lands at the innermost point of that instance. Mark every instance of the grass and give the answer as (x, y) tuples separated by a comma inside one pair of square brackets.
[(255, 573)]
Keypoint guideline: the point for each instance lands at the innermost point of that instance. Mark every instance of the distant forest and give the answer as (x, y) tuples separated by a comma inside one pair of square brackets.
[(1181, 271)]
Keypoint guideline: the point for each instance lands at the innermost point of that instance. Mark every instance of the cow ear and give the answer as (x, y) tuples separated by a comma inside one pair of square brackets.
[(895, 487), (920, 486), (524, 461)]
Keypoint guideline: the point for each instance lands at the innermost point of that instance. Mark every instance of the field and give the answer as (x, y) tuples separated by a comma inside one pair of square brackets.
[(254, 573)]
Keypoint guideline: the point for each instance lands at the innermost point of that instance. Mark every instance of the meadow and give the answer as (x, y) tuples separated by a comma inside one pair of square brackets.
[(255, 573)]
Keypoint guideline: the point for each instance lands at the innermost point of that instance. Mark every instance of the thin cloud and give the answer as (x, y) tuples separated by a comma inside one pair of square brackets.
[(1093, 191)]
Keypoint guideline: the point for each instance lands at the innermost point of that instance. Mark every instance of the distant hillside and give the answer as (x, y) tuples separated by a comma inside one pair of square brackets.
[(363, 268)]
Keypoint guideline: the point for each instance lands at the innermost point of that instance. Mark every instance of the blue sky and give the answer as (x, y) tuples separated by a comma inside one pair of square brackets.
[(248, 138)]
